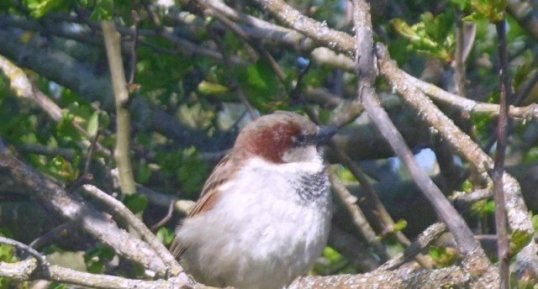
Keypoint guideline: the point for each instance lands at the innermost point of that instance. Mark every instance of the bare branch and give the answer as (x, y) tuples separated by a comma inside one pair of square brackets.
[(498, 169), (122, 212), (123, 117), (334, 39), (40, 258)]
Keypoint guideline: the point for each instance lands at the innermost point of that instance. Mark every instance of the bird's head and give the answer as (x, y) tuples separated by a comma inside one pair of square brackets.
[(282, 137)]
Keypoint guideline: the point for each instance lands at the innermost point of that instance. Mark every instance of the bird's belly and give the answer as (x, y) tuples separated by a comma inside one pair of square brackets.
[(256, 240)]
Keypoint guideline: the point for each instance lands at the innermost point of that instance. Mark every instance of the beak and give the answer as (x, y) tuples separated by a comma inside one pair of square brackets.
[(324, 134)]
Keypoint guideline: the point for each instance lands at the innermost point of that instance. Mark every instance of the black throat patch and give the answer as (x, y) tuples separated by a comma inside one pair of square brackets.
[(310, 187)]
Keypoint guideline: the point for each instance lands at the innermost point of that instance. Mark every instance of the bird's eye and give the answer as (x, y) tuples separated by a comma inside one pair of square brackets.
[(300, 140)]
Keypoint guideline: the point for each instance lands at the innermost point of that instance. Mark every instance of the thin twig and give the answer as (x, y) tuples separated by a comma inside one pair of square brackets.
[(232, 26), (424, 239), (21, 246), (133, 48), (121, 96), (91, 150), (47, 238), (165, 219), (357, 216), (295, 93), (498, 169)]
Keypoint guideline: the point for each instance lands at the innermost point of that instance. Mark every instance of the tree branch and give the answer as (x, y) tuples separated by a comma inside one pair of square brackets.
[(517, 211), (28, 270), (124, 214), (498, 169), (73, 208), (366, 72), (123, 117)]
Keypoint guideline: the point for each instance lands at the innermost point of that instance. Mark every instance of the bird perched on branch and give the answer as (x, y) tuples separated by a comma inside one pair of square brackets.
[(263, 216)]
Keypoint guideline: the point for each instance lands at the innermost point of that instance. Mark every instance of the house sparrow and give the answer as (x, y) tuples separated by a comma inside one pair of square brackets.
[(263, 216)]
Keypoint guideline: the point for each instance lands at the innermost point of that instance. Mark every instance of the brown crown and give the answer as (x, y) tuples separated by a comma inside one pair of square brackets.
[(272, 135)]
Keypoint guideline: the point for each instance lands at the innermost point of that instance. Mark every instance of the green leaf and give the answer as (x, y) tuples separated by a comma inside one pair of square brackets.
[(93, 124), (143, 172), (531, 157), (165, 235), (483, 207), (518, 240), (192, 171), (209, 88), (65, 130), (39, 8), (400, 225), (492, 10), (7, 254), (467, 186), (333, 261), (55, 285), (432, 36), (62, 169), (136, 202), (534, 220), (96, 258), (442, 256), (103, 10), (331, 254), (259, 83)]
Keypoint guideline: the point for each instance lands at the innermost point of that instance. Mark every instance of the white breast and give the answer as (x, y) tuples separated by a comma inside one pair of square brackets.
[(262, 234)]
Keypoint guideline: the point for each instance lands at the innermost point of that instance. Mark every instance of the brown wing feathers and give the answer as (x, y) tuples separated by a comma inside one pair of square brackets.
[(208, 197)]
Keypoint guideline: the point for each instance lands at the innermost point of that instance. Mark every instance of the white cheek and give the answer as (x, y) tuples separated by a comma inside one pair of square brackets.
[(301, 159)]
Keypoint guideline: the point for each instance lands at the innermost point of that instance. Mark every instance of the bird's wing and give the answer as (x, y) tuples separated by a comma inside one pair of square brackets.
[(221, 173)]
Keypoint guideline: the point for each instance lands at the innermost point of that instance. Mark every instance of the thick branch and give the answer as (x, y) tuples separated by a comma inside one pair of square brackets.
[(28, 270), (72, 208), (332, 38), (451, 277)]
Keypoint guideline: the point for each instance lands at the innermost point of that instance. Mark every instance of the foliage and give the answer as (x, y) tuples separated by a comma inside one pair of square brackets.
[(190, 69), (97, 258), (433, 35), (443, 256)]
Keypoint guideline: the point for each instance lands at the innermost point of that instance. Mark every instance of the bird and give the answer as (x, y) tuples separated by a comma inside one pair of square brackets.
[(264, 213)]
